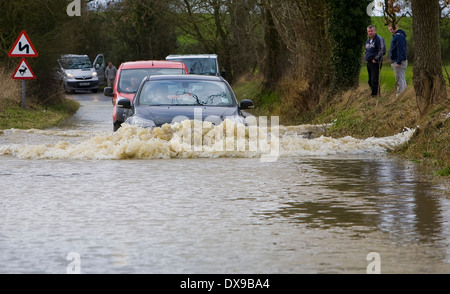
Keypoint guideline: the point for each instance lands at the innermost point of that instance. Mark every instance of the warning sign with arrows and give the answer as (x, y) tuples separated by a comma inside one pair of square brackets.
[(23, 47), (23, 71)]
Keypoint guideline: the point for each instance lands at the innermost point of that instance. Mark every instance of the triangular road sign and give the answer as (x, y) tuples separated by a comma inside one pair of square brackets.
[(23, 71), (23, 47)]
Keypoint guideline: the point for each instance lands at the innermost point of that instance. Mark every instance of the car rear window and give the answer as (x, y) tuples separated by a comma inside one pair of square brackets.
[(130, 79), (200, 66), (182, 92)]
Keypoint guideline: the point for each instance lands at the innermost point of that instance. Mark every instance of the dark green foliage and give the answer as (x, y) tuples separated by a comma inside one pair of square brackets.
[(347, 28), (43, 20), (445, 42), (130, 30)]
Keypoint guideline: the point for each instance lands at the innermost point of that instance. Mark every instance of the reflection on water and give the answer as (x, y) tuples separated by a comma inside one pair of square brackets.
[(298, 215), (375, 194)]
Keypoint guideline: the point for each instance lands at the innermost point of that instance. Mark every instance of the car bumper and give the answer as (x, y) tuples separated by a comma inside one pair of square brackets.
[(84, 84)]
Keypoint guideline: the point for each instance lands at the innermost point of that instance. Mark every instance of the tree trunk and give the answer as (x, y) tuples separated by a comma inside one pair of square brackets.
[(275, 52), (429, 82)]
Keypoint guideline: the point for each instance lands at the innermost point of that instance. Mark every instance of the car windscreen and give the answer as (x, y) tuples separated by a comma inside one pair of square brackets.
[(130, 79), (182, 92), (75, 62), (200, 66)]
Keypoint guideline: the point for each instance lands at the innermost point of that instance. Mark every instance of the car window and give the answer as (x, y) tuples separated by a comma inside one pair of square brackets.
[(174, 92), (200, 66), (130, 79), (75, 62)]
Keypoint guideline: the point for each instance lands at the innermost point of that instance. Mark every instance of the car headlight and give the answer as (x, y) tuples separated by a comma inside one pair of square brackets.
[(141, 122), (69, 75), (94, 74)]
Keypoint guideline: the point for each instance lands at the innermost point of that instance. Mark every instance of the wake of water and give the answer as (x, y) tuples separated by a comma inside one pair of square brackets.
[(182, 140)]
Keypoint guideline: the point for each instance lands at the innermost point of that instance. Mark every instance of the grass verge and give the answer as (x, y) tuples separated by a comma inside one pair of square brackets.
[(355, 113), (36, 116)]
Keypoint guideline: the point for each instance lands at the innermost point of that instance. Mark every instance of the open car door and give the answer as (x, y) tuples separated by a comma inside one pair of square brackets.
[(100, 66)]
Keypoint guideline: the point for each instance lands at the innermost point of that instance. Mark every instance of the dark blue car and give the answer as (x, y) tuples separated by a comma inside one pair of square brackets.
[(170, 99)]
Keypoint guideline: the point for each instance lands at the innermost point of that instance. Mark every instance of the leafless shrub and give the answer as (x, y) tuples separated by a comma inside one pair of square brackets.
[(10, 89)]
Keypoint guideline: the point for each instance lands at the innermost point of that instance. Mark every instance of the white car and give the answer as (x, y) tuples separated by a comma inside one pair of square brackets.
[(78, 73)]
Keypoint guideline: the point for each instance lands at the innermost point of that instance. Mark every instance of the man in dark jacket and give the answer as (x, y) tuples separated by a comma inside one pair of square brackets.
[(375, 49), (397, 53)]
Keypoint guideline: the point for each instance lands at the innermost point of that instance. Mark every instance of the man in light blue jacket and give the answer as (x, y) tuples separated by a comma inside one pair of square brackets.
[(397, 53)]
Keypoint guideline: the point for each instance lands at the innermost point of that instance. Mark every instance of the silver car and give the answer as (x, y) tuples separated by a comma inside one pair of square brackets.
[(78, 73)]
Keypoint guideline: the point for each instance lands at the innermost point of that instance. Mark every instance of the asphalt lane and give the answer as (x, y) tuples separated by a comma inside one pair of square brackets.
[(95, 113)]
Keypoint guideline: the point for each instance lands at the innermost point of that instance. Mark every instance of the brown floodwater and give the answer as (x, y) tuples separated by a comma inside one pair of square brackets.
[(141, 201)]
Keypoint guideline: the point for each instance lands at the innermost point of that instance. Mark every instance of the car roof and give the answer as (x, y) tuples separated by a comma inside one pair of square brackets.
[(185, 77), (73, 55), (152, 64), (193, 56)]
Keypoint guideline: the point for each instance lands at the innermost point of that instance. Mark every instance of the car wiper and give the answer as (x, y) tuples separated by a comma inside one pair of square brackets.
[(198, 100), (214, 96)]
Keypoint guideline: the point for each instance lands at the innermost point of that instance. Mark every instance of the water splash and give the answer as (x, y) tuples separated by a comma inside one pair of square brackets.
[(182, 140)]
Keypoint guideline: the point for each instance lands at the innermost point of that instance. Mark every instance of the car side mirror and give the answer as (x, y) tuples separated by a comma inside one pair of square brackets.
[(247, 104), (108, 91), (97, 66), (124, 103)]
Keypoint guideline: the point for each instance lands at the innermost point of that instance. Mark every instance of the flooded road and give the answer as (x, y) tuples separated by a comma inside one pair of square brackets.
[(137, 202)]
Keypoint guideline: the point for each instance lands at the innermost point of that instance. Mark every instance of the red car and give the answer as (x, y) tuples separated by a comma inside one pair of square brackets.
[(129, 77)]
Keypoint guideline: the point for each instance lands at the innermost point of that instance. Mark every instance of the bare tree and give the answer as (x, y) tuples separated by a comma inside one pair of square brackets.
[(139, 29), (297, 47), (395, 10), (444, 7), (229, 28)]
